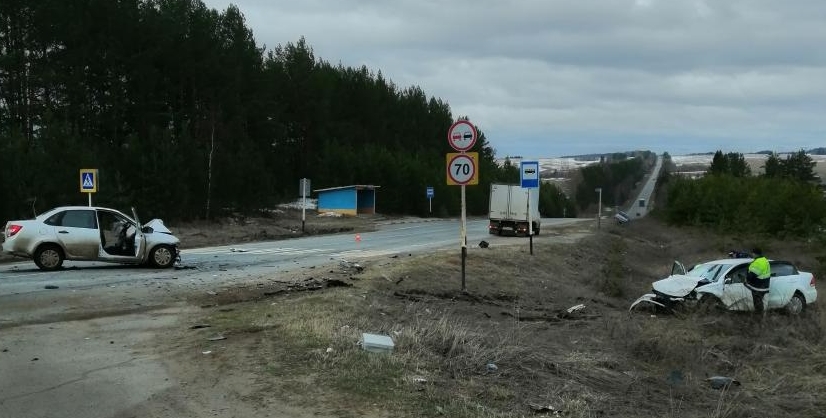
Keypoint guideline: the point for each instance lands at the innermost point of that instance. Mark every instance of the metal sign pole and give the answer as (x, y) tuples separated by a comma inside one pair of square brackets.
[(90, 199), (530, 222), (303, 191), (464, 238)]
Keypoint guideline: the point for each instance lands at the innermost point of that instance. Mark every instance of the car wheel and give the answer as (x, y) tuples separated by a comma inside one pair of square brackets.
[(162, 256), (796, 305), (48, 257)]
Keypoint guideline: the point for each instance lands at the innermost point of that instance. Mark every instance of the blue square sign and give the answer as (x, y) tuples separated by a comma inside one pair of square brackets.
[(88, 180), (529, 174)]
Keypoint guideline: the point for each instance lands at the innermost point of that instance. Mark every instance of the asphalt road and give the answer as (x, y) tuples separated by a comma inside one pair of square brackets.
[(217, 265), (635, 210)]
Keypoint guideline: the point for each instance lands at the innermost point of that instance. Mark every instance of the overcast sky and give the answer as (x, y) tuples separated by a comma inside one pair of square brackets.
[(547, 78)]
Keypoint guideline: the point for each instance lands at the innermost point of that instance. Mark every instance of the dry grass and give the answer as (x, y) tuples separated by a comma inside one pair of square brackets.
[(600, 361)]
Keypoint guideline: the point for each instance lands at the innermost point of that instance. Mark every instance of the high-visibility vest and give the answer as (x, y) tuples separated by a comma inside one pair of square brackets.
[(760, 267)]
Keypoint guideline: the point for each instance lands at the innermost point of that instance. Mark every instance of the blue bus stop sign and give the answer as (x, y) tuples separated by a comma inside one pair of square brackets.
[(429, 192), (529, 174)]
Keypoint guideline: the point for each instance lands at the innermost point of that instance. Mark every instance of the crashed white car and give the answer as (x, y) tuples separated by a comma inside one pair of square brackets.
[(720, 283), (84, 233)]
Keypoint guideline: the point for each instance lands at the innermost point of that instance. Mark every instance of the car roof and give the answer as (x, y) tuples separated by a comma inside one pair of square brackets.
[(733, 261), (77, 208), (729, 261), (60, 208)]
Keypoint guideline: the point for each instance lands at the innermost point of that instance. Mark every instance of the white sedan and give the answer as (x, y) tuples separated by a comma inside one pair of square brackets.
[(84, 233), (720, 282)]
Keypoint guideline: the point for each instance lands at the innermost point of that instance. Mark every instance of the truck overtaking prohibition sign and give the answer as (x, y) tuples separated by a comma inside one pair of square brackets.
[(461, 135)]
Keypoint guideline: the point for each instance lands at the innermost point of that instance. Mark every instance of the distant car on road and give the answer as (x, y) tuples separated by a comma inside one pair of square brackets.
[(83, 233), (721, 283)]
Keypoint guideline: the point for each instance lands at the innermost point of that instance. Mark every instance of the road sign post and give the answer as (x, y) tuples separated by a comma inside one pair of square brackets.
[(429, 194), (462, 171), (303, 191), (529, 176), (89, 182)]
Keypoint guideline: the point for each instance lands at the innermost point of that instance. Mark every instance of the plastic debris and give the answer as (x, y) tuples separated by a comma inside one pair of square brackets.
[(722, 382), (575, 308), (540, 408), (377, 343), (492, 367)]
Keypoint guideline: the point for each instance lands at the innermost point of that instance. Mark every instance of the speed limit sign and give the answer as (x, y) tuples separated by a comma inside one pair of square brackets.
[(462, 168)]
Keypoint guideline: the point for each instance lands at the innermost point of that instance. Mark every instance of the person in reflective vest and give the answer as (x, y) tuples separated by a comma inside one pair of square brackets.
[(758, 278)]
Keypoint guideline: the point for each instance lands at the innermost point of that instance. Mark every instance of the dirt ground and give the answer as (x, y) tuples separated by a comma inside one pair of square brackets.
[(507, 346), (290, 345)]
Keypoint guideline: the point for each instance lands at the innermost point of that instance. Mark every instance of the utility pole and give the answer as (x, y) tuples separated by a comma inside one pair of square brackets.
[(599, 206)]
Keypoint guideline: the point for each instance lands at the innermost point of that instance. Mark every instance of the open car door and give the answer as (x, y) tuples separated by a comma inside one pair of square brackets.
[(140, 239), (678, 268)]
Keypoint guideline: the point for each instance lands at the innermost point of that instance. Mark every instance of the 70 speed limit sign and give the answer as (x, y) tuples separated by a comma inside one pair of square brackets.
[(462, 168)]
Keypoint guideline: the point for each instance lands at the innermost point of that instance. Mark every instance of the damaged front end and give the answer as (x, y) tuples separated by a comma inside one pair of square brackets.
[(670, 293)]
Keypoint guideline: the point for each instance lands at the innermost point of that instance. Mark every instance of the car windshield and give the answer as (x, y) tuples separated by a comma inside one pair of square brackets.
[(706, 271)]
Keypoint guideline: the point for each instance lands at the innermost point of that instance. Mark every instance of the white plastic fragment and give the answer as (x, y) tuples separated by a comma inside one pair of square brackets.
[(575, 308), (377, 343)]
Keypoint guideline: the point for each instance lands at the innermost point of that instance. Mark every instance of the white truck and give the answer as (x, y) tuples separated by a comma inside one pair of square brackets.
[(509, 210)]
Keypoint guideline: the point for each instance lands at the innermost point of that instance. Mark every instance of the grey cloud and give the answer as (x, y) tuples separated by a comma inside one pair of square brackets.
[(733, 72)]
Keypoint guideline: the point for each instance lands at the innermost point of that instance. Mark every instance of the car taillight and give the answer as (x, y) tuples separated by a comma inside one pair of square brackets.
[(13, 229), (812, 282)]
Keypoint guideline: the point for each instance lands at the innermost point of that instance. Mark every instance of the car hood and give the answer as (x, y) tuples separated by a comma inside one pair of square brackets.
[(158, 226), (677, 285)]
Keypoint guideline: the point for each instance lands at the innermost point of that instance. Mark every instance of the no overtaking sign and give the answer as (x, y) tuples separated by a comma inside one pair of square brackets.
[(462, 135)]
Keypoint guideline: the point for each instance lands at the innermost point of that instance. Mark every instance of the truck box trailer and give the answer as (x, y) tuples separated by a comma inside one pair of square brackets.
[(508, 210)]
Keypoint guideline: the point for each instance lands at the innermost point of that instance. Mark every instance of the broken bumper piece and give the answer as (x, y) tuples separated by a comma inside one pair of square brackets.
[(651, 299)]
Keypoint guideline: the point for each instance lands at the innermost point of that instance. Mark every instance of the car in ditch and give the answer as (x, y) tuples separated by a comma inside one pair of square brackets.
[(87, 233), (720, 283)]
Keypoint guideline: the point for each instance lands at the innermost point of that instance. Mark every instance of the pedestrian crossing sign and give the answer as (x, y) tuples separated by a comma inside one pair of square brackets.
[(88, 180)]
